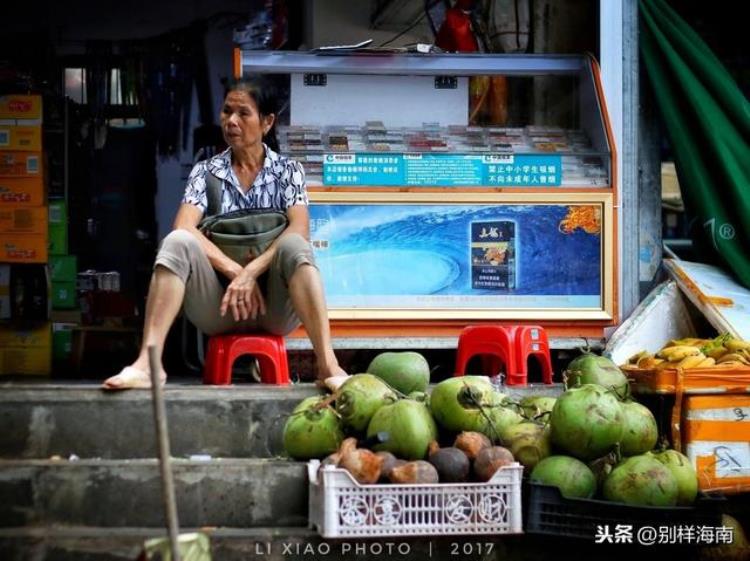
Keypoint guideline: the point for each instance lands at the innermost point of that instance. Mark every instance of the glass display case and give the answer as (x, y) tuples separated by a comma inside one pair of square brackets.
[(453, 187)]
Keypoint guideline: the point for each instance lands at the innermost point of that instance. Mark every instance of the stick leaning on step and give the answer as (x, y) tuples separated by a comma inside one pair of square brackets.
[(165, 465)]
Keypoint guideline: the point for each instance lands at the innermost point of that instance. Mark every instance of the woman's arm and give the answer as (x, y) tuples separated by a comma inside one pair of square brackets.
[(188, 217)]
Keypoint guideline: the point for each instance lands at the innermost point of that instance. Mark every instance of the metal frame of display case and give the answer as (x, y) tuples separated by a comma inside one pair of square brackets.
[(440, 322)]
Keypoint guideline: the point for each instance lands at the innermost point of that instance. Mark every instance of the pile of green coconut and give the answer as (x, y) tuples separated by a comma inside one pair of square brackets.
[(594, 440)]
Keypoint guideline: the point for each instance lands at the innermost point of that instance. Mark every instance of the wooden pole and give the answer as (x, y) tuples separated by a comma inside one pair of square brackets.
[(160, 418)]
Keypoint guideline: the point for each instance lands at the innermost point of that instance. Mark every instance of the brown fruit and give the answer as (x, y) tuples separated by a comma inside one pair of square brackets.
[(364, 465), (451, 463), (415, 472), (389, 462), (490, 460), (471, 443)]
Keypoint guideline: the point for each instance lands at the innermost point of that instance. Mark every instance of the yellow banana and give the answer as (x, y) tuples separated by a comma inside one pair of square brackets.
[(730, 363), (689, 341), (638, 356), (691, 361), (733, 357), (650, 362), (678, 353), (707, 362), (666, 365), (737, 344), (717, 352)]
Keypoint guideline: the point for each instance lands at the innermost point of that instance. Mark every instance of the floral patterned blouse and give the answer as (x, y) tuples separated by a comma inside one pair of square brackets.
[(278, 185)]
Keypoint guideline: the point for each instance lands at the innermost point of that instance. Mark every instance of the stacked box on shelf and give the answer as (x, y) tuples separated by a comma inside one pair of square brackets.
[(22, 193), (58, 228), (25, 343), (63, 271), (716, 433), (26, 349)]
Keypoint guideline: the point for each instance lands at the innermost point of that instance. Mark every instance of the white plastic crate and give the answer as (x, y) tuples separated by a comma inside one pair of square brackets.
[(342, 508)]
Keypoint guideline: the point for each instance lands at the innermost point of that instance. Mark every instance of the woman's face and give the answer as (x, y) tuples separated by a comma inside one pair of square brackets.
[(241, 124)]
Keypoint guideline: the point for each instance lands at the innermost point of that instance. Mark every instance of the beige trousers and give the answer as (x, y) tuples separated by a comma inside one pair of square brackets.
[(181, 253)]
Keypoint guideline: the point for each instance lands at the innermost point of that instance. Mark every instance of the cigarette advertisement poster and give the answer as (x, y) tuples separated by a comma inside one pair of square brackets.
[(453, 256)]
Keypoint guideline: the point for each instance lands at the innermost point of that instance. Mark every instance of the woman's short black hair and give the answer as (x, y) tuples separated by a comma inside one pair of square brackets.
[(262, 91)]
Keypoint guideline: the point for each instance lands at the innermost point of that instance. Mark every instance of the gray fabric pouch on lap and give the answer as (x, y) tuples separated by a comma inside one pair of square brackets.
[(242, 234)]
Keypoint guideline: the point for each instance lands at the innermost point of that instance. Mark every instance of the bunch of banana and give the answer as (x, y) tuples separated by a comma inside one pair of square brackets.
[(728, 350), (683, 356), (692, 352)]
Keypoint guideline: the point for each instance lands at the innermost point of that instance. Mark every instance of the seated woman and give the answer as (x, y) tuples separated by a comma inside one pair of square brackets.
[(188, 268)]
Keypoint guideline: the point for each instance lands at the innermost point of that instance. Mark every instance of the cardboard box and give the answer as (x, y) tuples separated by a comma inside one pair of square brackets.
[(28, 362), (716, 433), (30, 220), (22, 136), (62, 341), (58, 240), (22, 191), (26, 336), (24, 248), (64, 295), (63, 268), (58, 228), (58, 212), (20, 164), (20, 106)]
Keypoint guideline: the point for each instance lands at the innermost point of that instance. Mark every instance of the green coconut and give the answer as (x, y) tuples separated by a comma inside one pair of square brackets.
[(640, 432), (405, 371), (570, 475), (528, 442), (587, 422), (643, 481), (684, 473), (536, 405), (360, 397), (312, 430), (594, 369), (461, 403), (409, 425), (497, 420)]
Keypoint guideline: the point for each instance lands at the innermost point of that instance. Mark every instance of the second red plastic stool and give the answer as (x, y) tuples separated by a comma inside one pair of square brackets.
[(494, 343)]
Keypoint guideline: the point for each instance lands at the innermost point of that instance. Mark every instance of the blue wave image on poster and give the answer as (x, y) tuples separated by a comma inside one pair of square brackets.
[(424, 250)]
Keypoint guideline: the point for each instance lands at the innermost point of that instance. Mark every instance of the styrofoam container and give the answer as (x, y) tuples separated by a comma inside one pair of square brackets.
[(342, 508)]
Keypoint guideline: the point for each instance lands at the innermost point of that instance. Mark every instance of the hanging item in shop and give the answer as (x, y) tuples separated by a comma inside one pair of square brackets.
[(464, 29), (708, 122), (267, 29)]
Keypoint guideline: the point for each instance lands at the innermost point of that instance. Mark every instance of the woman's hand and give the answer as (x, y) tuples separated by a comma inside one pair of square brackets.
[(243, 297)]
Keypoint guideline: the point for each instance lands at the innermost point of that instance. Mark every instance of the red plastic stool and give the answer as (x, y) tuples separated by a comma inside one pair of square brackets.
[(223, 350), (531, 340), (494, 342)]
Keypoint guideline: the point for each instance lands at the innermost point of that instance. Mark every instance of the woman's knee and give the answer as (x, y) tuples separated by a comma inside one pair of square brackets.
[(178, 240), (292, 251), (179, 244)]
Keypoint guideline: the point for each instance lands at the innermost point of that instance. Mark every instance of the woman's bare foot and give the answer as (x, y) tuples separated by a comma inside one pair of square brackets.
[(331, 377), (131, 377)]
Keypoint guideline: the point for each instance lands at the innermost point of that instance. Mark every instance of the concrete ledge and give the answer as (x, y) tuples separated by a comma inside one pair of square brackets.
[(40, 421), (417, 343), (109, 493)]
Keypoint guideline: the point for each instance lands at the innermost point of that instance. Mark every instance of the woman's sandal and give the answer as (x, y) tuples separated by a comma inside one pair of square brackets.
[(130, 377)]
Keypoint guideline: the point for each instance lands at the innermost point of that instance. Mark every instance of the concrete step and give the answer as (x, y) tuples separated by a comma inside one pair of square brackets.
[(123, 493), (292, 544), (40, 421)]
